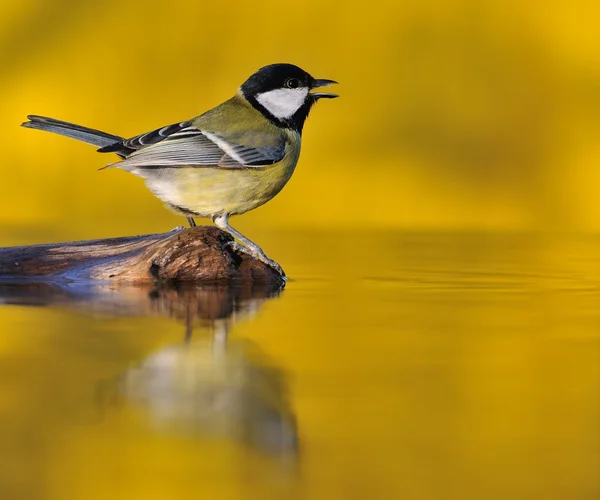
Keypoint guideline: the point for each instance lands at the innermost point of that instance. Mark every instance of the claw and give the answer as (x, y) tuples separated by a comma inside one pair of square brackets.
[(177, 229), (237, 247), (274, 265)]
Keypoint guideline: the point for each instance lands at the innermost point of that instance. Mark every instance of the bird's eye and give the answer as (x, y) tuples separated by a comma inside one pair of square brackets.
[(292, 83)]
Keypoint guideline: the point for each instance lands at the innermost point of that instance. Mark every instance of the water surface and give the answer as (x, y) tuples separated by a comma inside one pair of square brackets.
[(393, 365)]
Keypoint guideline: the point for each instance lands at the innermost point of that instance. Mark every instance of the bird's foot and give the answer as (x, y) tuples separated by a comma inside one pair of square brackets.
[(177, 229), (237, 247)]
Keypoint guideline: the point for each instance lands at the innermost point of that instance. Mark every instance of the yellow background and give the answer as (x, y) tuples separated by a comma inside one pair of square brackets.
[(454, 366), (453, 114)]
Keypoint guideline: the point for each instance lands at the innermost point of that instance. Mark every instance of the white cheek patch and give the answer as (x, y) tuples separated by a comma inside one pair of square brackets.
[(283, 103)]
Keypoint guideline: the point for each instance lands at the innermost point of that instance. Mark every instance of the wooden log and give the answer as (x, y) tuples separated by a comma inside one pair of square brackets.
[(201, 254)]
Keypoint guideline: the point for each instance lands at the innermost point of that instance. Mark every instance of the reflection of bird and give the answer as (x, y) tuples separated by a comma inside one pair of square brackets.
[(227, 161), (207, 389)]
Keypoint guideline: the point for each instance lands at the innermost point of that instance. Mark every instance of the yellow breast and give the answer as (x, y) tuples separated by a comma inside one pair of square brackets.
[(206, 191)]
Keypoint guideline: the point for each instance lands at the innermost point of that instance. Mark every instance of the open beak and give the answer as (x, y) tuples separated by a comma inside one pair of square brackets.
[(323, 83)]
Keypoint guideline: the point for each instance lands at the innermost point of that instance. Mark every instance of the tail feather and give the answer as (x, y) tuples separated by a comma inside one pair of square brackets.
[(89, 135)]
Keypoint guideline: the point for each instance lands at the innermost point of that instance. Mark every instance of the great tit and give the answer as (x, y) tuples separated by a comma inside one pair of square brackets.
[(227, 161)]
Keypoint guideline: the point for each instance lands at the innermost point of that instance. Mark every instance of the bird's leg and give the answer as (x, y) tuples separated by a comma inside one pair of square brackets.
[(249, 247), (191, 221)]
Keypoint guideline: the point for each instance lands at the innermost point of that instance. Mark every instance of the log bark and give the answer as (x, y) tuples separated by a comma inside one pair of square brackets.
[(200, 254)]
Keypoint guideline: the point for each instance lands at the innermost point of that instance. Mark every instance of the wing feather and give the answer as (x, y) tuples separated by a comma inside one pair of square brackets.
[(128, 146), (190, 147)]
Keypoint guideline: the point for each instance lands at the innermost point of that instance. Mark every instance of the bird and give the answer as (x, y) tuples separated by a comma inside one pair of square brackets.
[(227, 161)]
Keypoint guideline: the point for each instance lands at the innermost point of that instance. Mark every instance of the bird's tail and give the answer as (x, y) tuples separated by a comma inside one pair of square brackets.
[(89, 135)]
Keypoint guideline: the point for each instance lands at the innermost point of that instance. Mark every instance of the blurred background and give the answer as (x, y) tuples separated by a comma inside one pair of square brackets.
[(435, 341), (453, 114)]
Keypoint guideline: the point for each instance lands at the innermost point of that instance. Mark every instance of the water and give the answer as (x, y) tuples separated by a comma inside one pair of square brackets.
[(406, 365)]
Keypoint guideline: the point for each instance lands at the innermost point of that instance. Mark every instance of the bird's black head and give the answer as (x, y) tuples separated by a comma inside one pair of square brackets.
[(281, 92)]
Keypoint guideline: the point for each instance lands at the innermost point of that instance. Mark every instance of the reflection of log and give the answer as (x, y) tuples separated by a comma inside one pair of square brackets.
[(210, 387), (197, 254), (189, 303)]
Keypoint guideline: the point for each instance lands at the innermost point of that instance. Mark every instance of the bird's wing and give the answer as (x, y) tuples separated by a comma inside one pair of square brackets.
[(187, 146), (125, 147)]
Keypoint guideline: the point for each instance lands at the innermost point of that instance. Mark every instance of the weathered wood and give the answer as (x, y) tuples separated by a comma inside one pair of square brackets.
[(195, 254)]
